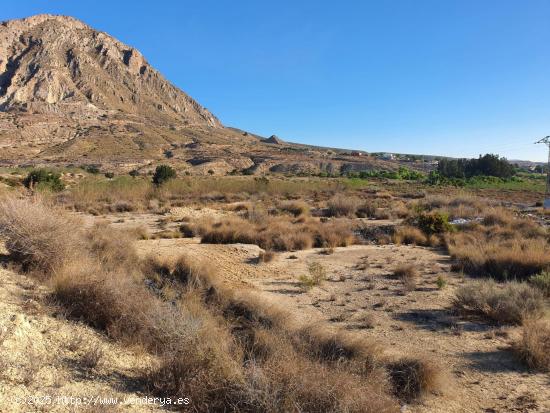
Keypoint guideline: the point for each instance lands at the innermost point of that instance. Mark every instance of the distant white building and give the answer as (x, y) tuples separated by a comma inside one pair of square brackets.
[(387, 156)]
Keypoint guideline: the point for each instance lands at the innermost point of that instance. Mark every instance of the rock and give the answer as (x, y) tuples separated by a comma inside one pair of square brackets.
[(274, 140)]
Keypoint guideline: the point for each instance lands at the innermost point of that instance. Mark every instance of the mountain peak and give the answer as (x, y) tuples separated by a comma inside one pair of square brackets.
[(51, 63)]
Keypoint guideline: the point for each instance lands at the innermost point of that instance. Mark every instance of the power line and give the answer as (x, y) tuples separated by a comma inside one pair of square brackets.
[(546, 141)]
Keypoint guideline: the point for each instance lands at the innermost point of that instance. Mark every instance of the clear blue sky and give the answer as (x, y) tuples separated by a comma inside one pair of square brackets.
[(449, 77)]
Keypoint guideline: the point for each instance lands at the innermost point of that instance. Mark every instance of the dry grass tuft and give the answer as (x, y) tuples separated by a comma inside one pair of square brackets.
[(317, 274), (534, 346), (280, 234), (37, 236), (414, 378), (502, 259), (295, 208), (508, 303), (343, 206), (408, 274), (409, 235)]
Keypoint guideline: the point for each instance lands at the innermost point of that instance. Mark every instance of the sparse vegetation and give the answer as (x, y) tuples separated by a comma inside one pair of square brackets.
[(408, 275), (197, 352), (44, 179), (342, 206), (316, 276), (542, 282), (508, 303), (204, 335), (163, 173), (534, 346)]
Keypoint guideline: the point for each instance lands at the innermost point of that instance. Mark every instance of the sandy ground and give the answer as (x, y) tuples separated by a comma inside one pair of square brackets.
[(360, 294), (484, 375), (43, 359)]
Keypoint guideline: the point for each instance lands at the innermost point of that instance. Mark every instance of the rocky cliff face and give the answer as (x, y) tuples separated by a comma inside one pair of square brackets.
[(59, 64), (70, 95)]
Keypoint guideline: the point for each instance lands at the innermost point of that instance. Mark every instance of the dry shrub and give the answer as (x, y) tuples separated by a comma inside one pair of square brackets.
[(203, 366), (534, 346), (342, 206), (414, 378), (194, 274), (114, 248), (366, 210), (498, 258), (92, 356), (498, 217), (365, 319), (408, 275), (320, 342), (295, 208), (507, 303), (37, 236), (409, 235), (400, 210), (139, 232), (542, 282), (317, 274), (119, 305), (332, 234), (462, 206), (291, 383), (280, 234)]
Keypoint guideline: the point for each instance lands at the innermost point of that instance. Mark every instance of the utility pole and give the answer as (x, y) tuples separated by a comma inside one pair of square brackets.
[(546, 141)]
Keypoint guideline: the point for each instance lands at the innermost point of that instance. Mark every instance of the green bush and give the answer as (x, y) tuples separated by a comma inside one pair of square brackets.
[(92, 169), (163, 173), (44, 179), (542, 282), (432, 223)]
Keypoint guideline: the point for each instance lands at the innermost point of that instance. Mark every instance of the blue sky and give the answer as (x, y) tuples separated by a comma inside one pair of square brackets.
[(446, 77)]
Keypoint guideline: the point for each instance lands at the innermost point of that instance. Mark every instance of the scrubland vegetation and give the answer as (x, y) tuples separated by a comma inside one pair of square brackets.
[(228, 350)]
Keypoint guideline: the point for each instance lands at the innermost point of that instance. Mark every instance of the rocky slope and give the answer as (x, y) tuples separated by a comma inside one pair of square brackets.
[(59, 64), (72, 95)]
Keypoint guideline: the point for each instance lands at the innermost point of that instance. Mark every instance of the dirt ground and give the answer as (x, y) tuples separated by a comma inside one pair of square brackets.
[(46, 360), (361, 294)]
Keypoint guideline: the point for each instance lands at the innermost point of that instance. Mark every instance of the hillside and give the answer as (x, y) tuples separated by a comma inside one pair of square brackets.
[(70, 94)]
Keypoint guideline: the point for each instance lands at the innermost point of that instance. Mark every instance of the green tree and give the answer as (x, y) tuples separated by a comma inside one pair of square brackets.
[(163, 173), (44, 179)]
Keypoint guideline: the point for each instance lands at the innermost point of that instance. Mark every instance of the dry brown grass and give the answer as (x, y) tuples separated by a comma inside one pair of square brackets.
[(39, 237), (280, 234), (224, 352), (456, 206), (343, 206), (534, 346), (415, 378), (408, 274), (409, 235), (500, 258), (507, 303), (295, 208)]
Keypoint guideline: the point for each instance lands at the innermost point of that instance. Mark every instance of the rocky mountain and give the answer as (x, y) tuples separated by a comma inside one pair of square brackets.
[(70, 94), (57, 63)]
